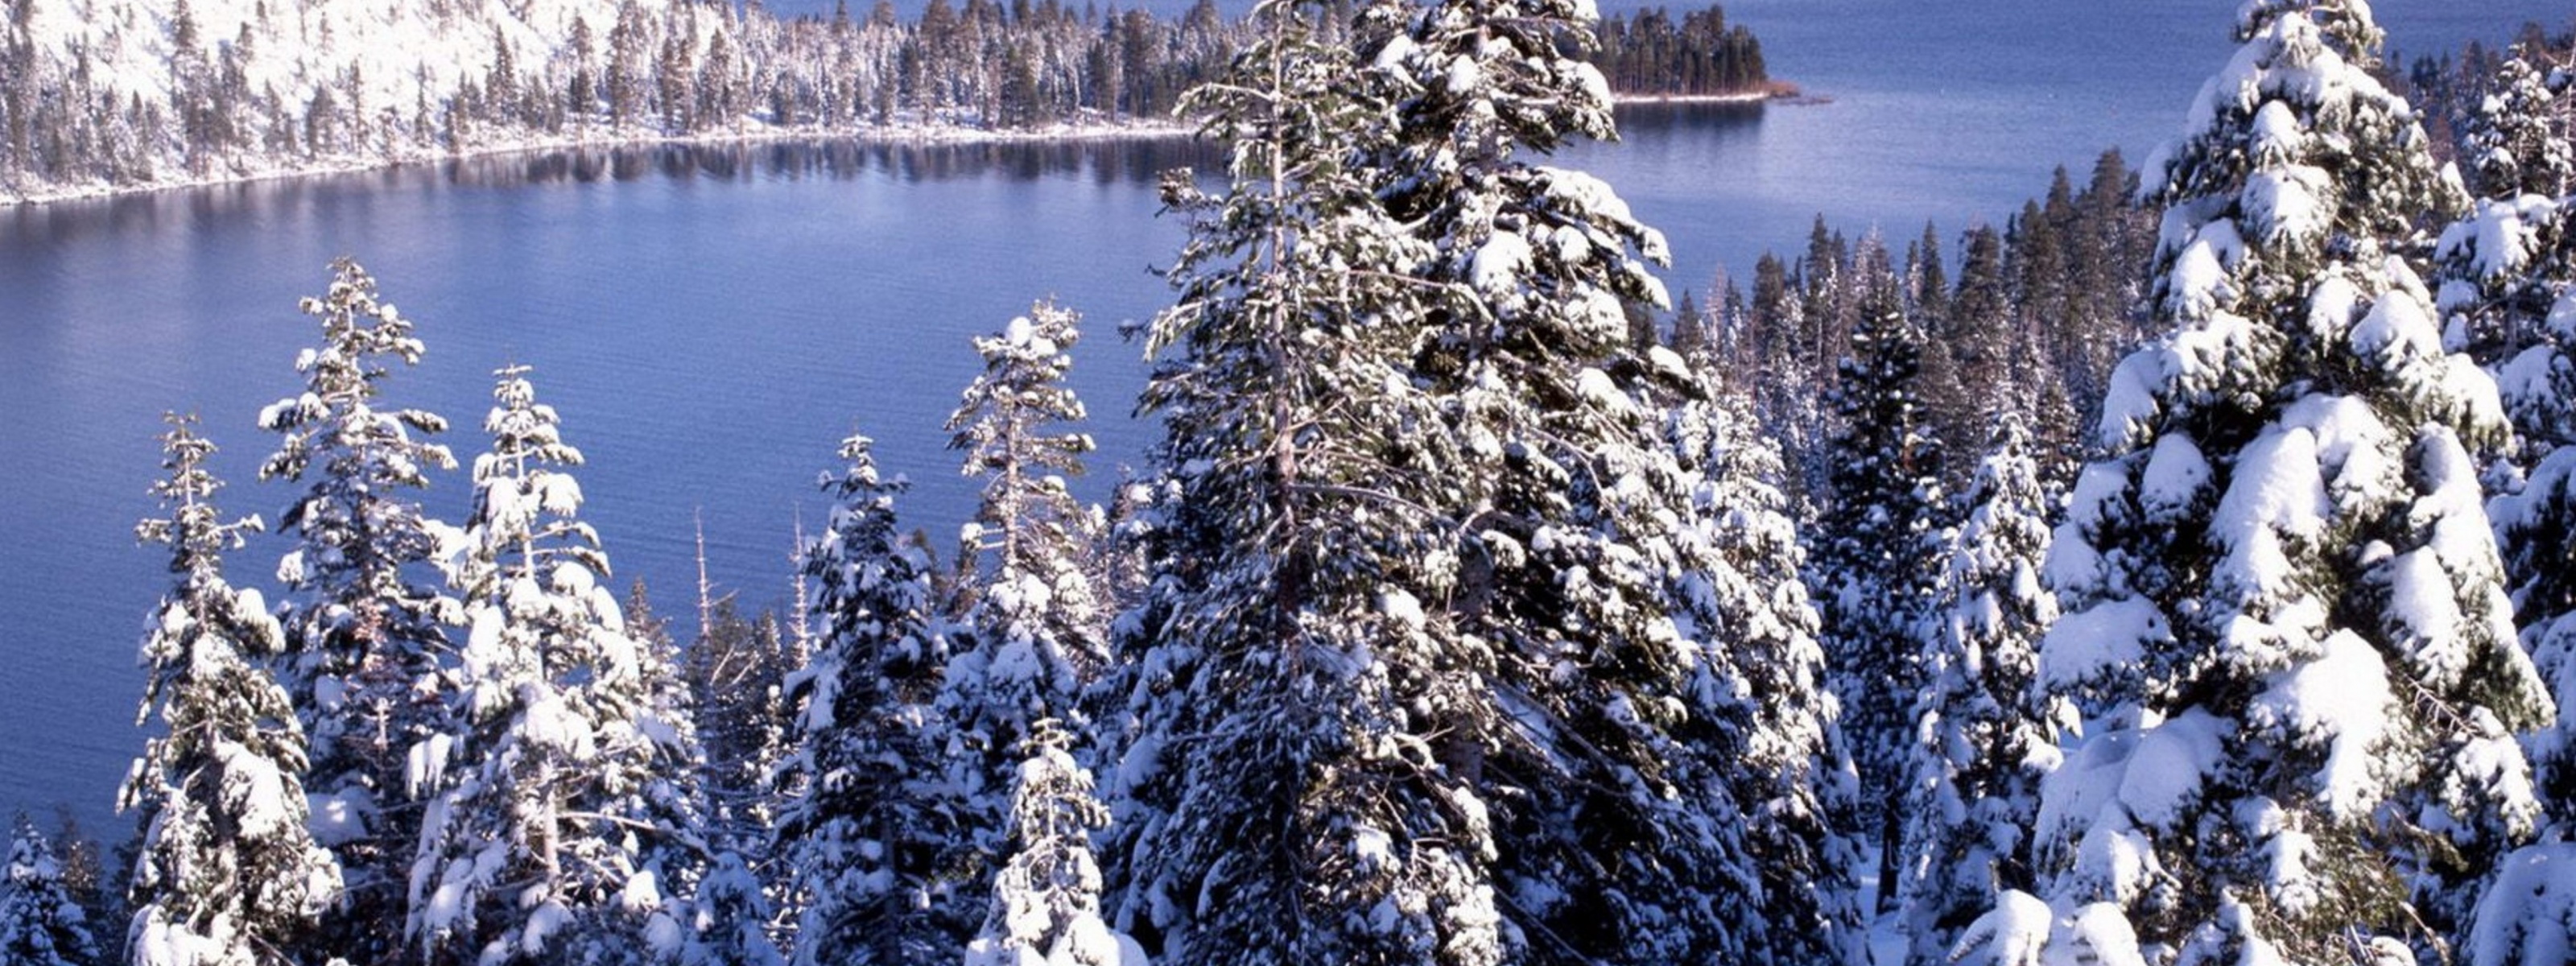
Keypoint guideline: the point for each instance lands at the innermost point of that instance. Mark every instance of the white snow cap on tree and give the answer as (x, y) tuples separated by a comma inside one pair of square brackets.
[(226, 868), (2286, 627), (40, 922), (551, 823), (1046, 898)]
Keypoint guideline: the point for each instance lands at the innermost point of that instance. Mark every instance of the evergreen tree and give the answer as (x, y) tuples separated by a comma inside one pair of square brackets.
[(1297, 733), (1025, 604), (85, 877), (1046, 900), (1790, 774), (569, 805), (729, 921), (2527, 912), (1020, 572), (1875, 561), (41, 924), (2509, 268), (864, 844), (2535, 517), (2502, 268), (225, 872), (364, 632), (1614, 831), (2285, 629), (1980, 742), (2515, 141)]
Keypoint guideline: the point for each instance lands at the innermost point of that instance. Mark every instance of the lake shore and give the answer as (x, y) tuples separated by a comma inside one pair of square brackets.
[(910, 132), (246, 171), (1777, 90)]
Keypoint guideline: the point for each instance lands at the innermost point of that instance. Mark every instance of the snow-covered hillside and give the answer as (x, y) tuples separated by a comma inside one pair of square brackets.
[(102, 95)]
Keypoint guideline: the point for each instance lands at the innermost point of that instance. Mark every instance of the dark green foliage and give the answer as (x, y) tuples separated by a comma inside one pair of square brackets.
[(1296, 733), (737, 672), (2279, 562), (1650, 54), (1876, 550), (1981, 740)]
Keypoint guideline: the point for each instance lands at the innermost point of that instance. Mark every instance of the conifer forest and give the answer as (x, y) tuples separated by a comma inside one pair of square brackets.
[(2176, 574)]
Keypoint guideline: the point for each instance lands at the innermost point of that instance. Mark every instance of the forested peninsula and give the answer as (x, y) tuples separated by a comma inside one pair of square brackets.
[(137, 94)]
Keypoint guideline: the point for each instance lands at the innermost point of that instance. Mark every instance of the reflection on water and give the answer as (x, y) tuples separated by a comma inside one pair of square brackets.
[(1125, 161), (1103, 160), (1741, 119)]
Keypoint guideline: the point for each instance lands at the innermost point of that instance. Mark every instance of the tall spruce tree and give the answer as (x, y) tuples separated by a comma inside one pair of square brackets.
[(2286, 628), (1613, 826), (567, 812), (1776, 722), (1027, 612), (225, 871), (1876, 552), (1298, 729), (2509, 295), (364, 626), (865, 842), (41, 924), (1980, 739), (1023, 594)]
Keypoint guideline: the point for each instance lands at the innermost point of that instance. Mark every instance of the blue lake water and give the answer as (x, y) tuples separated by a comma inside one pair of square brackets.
[(711, 322)]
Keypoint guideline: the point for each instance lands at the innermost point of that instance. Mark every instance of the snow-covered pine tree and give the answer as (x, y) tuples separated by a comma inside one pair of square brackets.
[(364, 628), (102, 898), (2515, 141), (2528, 913), (1297, 729), (1028, 615), (1877, 549), (226, 872), (2509, 295), (863, 844), (1612, 822), (2503, 265), (2286, 630), (1023, 595), (1046, 898), (729, 918), (557, 825), (1790, 774), (1981, 742), (41, 924)]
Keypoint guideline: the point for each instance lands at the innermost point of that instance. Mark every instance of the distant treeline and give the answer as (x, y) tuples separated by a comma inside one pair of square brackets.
[(2028, 316), (289, 89), (1701, 54)]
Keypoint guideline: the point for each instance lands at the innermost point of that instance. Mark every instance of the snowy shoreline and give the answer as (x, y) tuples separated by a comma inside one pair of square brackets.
[(1786, 92), (913, 133), (898, 134)]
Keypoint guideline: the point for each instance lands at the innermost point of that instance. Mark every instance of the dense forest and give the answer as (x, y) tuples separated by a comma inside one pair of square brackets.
[(2175, 574), (159, 91)]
